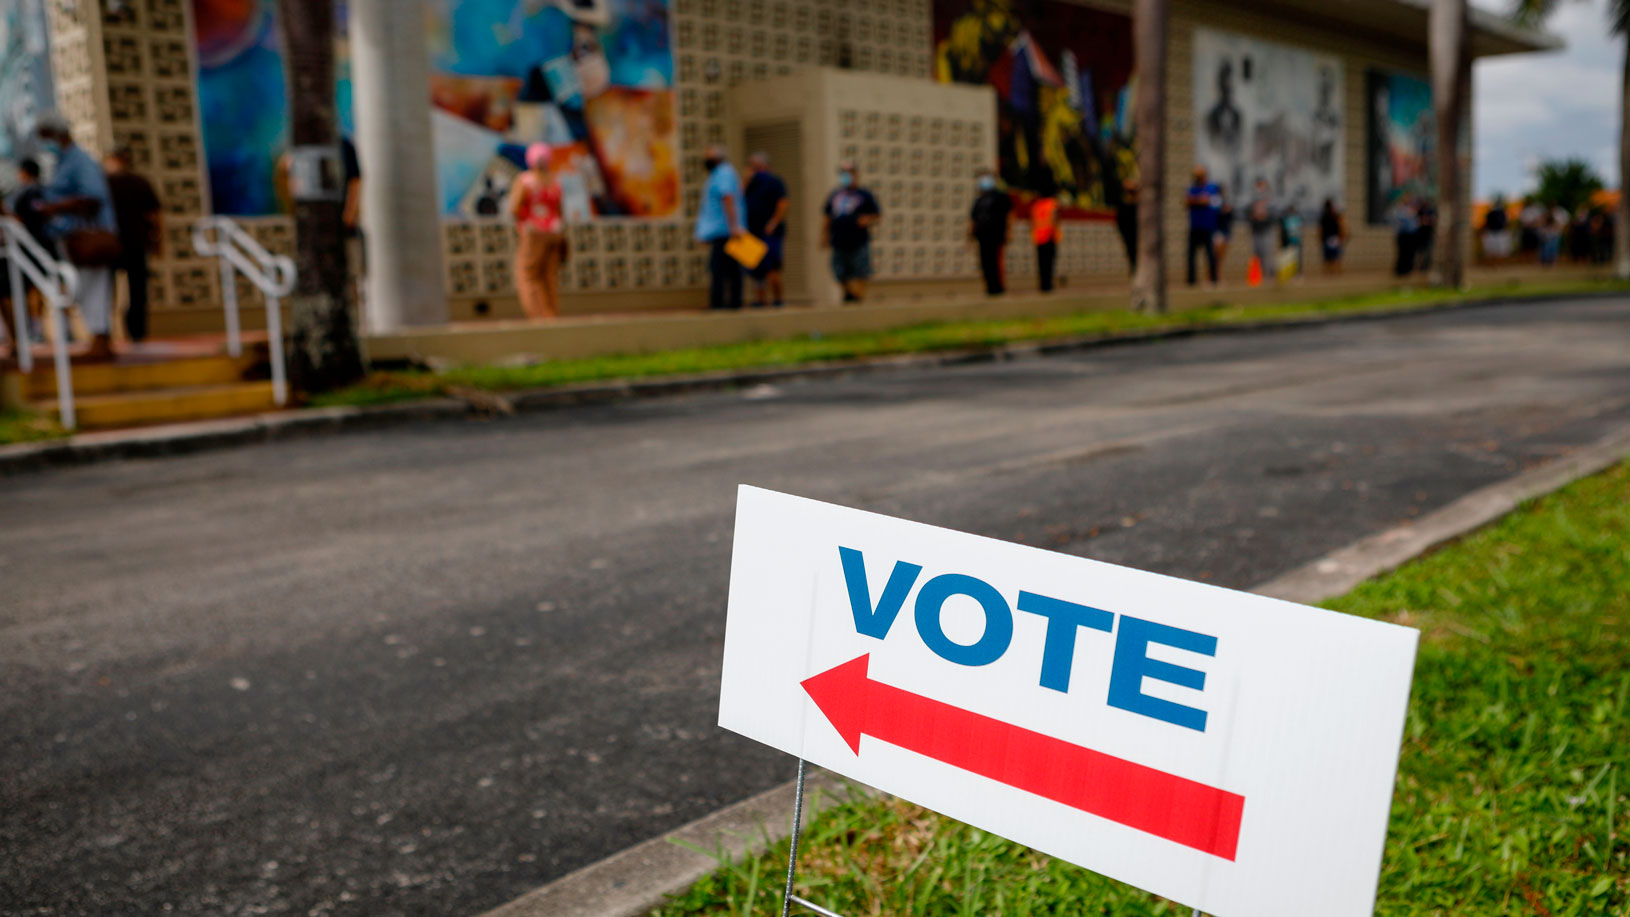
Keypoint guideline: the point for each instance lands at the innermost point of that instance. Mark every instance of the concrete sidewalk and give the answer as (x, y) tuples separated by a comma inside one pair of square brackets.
[(658, 330), (183, 438)]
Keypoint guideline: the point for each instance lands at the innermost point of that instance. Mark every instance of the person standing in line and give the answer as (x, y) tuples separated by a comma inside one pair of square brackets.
[(136, 209), (1044, 234), (1550, 238), (81, 207), (767, 205), (1204, 203), (1332, 235), (1580, 244), (1264, 228), (27, 205), (1126, 222), (988, 225), (356, 249), (1497, 231), (1406, 225), (1426, 231), (540, 235), (721, 217), (1290, 241), (848, 217), (1225, 230)]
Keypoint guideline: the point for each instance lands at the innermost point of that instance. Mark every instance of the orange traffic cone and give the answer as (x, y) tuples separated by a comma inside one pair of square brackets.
[(1253, 274)]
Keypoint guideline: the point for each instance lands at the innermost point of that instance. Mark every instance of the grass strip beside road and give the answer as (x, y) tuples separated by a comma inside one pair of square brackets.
[(1513, 793), (24, 426), (396, 386)]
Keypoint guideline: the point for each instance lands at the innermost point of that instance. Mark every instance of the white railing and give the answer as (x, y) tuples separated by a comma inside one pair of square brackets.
[(239, 253), (58, 283)]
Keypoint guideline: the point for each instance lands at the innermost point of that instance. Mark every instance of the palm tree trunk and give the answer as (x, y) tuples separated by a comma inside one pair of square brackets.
[(1149, 21), (1451, 83), (324, 352), (1621, 237)]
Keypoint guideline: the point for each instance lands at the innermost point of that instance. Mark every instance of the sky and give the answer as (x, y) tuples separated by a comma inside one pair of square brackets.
[(1532, 107)]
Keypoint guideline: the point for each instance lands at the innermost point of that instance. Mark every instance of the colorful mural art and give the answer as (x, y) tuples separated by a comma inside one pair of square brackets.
[(1403, 133), (25, 81), (240, 57), (594, 78), (1062, 74), (1271, 111)]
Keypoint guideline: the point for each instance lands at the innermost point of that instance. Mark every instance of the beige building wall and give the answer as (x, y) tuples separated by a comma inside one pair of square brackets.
[(634, 265), (125, 75), (916, 144), (1370, 248)]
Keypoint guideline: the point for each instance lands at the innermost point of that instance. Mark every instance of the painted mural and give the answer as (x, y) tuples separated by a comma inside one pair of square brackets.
[(1402, 157), (1271, 111), (1062, 74), (25, 81), (240, 57), (594, 78)]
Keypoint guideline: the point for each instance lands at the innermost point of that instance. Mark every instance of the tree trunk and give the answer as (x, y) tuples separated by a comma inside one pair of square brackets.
[(324, 352), (1451, 82), (1621, 236), (1149, 21)]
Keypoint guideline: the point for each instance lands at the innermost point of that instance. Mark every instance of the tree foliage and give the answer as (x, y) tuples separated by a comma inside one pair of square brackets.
[(1566, 183)]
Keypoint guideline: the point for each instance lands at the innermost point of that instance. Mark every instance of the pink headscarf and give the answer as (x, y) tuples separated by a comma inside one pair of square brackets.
[(538, 154)]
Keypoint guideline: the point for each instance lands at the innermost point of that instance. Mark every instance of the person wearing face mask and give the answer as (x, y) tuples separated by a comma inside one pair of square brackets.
[(82, 222), (988, 224), (850, 213), (721, 217)]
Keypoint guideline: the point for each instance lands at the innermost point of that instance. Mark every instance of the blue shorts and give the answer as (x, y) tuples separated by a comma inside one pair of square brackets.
[(772, 257), (854, 264)]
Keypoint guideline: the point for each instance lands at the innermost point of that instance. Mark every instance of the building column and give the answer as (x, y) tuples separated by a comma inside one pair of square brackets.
[(401, 212)]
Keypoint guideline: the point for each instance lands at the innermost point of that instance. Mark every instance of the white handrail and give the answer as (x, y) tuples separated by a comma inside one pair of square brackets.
[(58, 283), (272, 274)]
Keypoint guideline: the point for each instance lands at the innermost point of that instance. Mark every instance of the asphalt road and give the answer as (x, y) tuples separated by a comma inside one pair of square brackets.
[(426, 669)]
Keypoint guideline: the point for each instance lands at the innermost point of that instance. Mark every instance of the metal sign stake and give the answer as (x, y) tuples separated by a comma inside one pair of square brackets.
[(788, 899)]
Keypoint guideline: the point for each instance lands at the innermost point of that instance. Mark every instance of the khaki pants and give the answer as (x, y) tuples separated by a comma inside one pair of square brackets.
[(538, 256)]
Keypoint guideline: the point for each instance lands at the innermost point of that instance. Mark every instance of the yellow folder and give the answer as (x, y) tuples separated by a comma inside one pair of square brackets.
[(746, 249)]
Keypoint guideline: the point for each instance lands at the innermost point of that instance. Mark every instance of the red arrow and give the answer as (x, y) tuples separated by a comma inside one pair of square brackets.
[(1166, 805)]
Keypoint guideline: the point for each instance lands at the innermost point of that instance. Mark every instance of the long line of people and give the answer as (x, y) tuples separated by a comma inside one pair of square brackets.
[(1545, 233), (101, 217)]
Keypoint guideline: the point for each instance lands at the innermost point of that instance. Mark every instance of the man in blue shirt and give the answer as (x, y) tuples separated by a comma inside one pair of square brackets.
[(77, 199), (719, 217), (767, 204), (1205, 203)]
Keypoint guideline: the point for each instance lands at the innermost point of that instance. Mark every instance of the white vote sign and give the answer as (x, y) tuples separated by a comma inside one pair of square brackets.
[(1231, 752)]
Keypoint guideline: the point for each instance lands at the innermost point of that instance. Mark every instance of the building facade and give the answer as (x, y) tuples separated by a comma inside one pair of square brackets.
[(1323, 100)]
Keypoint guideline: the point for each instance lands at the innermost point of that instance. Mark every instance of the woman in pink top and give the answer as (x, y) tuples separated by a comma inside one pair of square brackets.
[(540, 246)]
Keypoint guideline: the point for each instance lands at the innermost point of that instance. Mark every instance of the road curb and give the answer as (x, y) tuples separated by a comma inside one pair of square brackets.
[(639, 878), (184, 438), (636, 881)]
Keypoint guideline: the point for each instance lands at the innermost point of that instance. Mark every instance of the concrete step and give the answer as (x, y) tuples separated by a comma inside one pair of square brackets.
[(168, 405), (135, 376)]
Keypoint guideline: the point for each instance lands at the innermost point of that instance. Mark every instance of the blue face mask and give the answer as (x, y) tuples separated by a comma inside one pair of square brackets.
[(846, 179), (987, 183), (52, 147)]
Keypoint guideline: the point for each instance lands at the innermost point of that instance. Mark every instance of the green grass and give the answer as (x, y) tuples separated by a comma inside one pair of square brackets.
[(386, 387), (28, 427), (1513, 793)]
